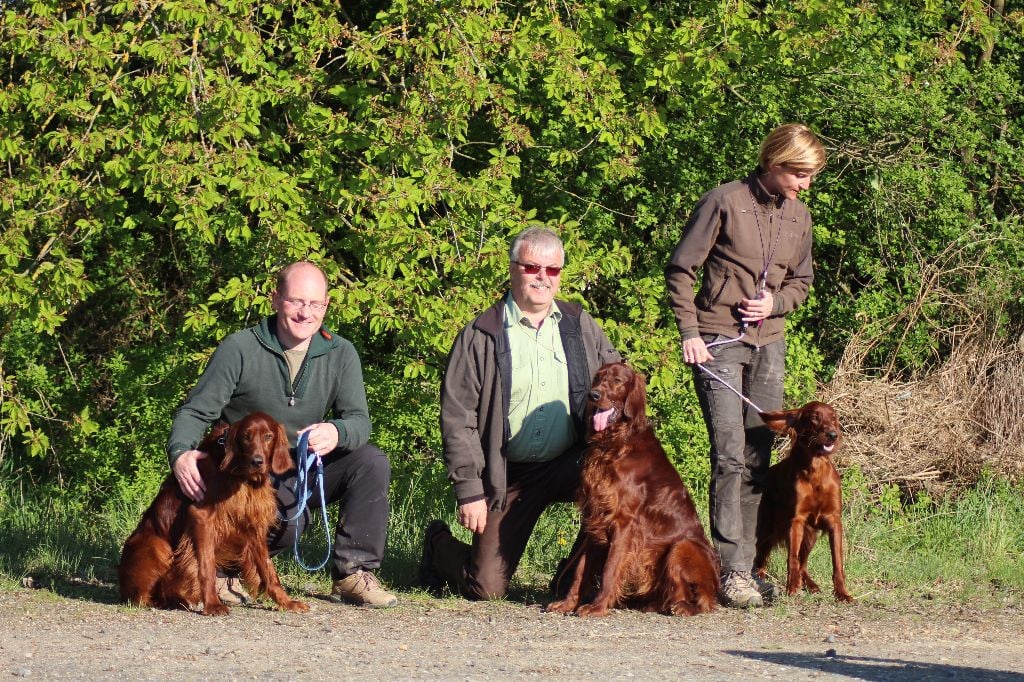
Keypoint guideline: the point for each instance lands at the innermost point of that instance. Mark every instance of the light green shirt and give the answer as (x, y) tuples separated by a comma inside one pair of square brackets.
[(539, 416)]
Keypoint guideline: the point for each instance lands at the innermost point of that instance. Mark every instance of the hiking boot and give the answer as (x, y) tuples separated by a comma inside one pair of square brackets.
[(429, 578), (362, 589), (766, 588), (231, 591), (739, 590)]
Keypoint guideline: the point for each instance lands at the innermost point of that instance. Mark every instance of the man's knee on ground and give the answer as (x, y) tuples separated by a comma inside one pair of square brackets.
[(485, 588)]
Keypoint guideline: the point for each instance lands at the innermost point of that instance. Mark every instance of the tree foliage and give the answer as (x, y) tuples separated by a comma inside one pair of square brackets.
[(160, 159)]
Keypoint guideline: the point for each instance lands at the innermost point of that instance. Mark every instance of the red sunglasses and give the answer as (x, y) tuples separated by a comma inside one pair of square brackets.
[(532, 269)]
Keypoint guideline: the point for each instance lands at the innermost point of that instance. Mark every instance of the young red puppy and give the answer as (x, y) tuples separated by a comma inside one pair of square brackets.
[(802, 497)]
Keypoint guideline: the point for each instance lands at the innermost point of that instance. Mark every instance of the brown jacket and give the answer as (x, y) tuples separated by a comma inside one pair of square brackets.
[(733, 246), (476, 390)]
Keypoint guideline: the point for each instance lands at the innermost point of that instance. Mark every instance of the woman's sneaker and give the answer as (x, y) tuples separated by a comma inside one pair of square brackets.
[(738, 590)]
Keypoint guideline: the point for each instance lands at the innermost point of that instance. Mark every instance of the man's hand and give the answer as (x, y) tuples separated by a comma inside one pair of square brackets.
[(473, 516), (187, 473), (323, 437), (757, 309), (695, 352)]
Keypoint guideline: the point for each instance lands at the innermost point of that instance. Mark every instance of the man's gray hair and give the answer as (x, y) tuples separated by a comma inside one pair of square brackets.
[(540, 239)]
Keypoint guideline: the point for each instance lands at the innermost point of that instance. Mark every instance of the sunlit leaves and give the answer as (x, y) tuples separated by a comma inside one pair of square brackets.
[(159, 161)]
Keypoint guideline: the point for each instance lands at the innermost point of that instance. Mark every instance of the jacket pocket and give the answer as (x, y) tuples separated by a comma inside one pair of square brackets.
[(708, 300)]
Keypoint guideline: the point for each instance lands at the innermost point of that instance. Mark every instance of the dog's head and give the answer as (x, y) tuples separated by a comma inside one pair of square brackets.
[(814, 428), (254, 447), (618, 395)]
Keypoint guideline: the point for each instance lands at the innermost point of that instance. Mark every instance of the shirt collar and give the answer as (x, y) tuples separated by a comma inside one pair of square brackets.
[(513, 313), (760, 193)]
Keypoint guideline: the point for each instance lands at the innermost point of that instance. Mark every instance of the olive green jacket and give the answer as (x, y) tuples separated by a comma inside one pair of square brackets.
[(248, 373)]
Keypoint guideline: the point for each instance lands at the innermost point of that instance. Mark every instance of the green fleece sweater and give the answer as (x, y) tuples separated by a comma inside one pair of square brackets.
[(248, 373)]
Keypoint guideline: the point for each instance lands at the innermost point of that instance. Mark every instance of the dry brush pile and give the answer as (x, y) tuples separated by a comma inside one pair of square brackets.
[(939, 432)]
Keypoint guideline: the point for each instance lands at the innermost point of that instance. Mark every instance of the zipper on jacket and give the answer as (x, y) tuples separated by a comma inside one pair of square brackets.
[(298, 378)]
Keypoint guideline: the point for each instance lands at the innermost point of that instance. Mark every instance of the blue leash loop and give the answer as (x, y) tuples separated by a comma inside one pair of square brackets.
[(305, 462)]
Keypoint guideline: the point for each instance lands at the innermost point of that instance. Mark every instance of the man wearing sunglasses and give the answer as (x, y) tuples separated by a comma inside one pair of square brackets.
[(297, 371), (512, 403)]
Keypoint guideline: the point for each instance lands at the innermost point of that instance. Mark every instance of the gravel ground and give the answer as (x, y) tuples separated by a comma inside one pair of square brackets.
[(83, 633)]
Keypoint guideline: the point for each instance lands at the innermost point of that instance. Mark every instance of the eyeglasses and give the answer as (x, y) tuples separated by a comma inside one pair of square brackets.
[(298, 304), (533, 268)]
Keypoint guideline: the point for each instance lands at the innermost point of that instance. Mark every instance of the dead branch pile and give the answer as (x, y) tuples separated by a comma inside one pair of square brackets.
[(937, 433)]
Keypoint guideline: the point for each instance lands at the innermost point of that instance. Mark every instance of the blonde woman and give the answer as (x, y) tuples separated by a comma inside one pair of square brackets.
[(748, 243)]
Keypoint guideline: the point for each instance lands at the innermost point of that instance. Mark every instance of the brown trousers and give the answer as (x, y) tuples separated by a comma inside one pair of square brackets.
[(483, 570)]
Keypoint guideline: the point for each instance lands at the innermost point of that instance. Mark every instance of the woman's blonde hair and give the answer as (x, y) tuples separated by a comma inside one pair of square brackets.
[(792, 145)]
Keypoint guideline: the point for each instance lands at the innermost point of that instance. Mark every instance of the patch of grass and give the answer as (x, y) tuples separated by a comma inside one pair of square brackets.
[(967, 549), (963, 549)]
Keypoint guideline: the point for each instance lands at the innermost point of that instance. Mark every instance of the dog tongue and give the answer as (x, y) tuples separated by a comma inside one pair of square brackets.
[(601, 418)]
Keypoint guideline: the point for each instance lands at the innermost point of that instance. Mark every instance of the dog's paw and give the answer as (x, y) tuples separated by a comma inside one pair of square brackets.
[(563, 606), (592, 611), (216, 610), (295, 605)]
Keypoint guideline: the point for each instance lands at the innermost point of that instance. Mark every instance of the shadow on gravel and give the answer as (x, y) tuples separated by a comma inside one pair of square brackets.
[(99, 591), (880, 669)]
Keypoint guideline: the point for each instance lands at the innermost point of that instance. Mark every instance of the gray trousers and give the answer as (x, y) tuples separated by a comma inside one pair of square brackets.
[(740, 442), (358, 481)]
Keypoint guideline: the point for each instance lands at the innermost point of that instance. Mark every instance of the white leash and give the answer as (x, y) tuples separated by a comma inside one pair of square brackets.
[(722, 381)]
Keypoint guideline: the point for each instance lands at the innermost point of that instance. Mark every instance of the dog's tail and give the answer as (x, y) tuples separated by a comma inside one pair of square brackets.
[(144, 561), (692, 572)]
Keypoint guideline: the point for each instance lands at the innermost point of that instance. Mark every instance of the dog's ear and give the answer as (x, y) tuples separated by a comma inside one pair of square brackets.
[(280, 461), (781, 421), (634, 407)]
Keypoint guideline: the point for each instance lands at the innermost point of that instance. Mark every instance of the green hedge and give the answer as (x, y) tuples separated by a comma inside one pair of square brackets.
[(158, 160)]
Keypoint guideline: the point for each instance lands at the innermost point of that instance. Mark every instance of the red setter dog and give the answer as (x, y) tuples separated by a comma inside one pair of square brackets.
[(171, 559), (643, 544), (802, 496)]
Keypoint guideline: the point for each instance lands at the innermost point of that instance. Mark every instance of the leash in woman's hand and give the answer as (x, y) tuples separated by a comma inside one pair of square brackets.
[(720, 379)]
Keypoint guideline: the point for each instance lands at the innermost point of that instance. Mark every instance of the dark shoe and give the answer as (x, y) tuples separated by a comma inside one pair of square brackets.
[(767, 588), (429, 578), (362, 589)]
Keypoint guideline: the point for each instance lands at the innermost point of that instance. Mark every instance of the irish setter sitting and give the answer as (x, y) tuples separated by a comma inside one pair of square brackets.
[(643, 545), (171, 559), (802, 496)]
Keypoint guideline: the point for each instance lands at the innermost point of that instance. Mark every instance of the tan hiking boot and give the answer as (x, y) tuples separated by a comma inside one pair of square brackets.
[(739, 591), (362, 589), (231, 591)]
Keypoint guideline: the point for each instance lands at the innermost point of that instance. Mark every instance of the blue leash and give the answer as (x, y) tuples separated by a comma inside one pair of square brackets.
[(304, 463)]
